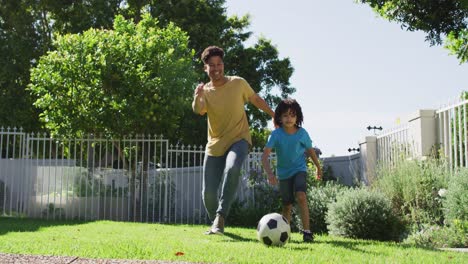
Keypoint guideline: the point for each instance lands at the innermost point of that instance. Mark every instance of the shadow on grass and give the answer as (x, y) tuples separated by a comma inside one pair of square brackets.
[(300, 245), (351, 245), (238, 238), (356, 245), (16, 224)]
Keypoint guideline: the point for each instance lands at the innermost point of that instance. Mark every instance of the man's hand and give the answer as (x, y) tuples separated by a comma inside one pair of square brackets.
[(199, 89), (198, 104)]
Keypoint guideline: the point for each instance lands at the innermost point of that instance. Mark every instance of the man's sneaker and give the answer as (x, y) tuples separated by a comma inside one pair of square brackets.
[(218, 226), (308, 236)]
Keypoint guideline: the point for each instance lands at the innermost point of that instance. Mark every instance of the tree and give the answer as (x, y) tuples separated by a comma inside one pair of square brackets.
[(20, 47), (458, 45), (267, 74), (76, 16), (136, 78), (439, 19), (205, 22)]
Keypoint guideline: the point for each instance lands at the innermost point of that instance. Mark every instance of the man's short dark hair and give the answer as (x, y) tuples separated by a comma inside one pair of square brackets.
[(210, 52)]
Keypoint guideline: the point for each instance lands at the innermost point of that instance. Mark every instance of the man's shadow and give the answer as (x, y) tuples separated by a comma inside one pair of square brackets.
[(238, 238)]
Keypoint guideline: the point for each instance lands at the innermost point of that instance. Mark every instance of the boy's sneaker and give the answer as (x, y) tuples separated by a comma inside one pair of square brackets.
[(218, 226), (308, 237)]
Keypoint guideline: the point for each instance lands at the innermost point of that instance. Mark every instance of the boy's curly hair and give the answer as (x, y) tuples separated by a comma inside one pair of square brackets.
[(284, 106), (210, 52)]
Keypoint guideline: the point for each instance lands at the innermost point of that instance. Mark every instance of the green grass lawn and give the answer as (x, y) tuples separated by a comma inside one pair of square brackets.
[(121, 240)]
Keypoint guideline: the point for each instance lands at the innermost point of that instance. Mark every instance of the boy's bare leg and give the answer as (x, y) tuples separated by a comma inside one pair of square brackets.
[(304, 209), (287, 212)]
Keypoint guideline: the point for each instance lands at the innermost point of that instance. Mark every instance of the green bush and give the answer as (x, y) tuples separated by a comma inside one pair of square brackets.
[(242, 214), (453, 236), (363, 214), (248, 213), (319, 198), (412, 186), (456, 200), (327, 174)]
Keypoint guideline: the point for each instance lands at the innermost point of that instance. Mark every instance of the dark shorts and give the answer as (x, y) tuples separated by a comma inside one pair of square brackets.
[(292, 185)]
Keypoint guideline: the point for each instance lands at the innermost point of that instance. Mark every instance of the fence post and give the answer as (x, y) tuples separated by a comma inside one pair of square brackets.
[(423, 131), (368, 159)]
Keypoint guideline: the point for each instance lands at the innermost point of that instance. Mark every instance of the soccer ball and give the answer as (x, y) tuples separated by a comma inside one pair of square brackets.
[(273, 230)]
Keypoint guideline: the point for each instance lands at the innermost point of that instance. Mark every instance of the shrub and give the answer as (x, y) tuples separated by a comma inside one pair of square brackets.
[(456, 200), (412, 187), (327, 174), (455, 235), (242, 214), (319, 198), (52, 212), (363, 214), (245, 213)]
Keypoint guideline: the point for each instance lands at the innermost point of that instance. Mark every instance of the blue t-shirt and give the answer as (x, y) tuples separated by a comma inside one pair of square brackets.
[(290, 150)]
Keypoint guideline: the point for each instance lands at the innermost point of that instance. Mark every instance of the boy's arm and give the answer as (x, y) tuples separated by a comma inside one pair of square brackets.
[(313, 156), (266, 165)]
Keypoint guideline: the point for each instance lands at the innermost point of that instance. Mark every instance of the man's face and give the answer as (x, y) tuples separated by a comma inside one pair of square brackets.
[(214, 67)]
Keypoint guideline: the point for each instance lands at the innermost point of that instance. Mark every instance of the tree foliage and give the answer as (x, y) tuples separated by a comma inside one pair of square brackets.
[(20, 46), (458, 45), (260, 64), (136, 78), (205, 22), (75, 16), (439, 19)]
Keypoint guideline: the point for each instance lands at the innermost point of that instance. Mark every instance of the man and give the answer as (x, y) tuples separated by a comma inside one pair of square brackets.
[(223, 99)]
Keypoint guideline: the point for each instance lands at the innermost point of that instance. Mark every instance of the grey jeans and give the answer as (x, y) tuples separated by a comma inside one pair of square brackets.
[(224, 170)]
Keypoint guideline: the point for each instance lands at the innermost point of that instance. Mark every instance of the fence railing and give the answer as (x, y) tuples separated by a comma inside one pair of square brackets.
[(452, 132), (394, 145), (140, 178), (441, 132)]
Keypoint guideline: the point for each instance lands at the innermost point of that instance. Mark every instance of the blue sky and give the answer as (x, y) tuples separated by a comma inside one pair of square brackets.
[(352, 68)]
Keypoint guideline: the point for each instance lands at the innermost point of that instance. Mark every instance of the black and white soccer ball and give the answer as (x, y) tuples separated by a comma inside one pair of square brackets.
[(273, 230)]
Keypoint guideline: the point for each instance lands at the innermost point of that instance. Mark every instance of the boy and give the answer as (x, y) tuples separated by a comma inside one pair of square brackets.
[(291, 142)]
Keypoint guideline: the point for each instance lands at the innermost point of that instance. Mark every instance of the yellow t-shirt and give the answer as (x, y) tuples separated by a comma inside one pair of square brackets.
[(227, 120)]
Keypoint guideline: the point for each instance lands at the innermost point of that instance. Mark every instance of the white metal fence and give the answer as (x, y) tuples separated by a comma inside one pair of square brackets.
[(393, 145), (411, 139), (452, 132), (140, 178)]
